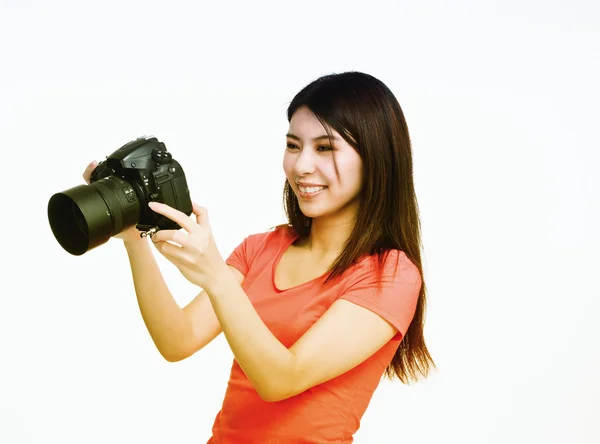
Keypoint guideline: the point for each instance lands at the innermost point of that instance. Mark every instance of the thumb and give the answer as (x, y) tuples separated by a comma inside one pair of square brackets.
[(201, 214), (88, 171)]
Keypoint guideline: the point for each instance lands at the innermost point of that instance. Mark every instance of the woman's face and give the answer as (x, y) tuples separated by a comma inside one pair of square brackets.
[(326, 179)]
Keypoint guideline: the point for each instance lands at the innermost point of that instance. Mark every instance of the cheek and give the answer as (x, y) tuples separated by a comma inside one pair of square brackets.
[(327, 170), (350, 174), (288, 165)]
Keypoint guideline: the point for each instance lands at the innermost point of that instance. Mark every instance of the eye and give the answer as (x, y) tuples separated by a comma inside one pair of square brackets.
[(291, 146), (324, 148)]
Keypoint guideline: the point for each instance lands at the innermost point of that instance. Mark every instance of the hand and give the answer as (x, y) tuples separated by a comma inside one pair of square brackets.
[(196, 256), (129, 234)]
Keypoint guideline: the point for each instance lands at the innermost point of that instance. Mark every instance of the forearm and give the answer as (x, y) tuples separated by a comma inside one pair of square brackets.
[(265, 360), (166, 322)]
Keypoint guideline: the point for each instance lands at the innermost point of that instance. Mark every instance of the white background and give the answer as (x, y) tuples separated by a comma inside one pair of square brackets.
[(502, 101)]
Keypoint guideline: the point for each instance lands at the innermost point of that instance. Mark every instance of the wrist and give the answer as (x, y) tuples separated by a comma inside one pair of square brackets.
[(133, 241), (221, 280)]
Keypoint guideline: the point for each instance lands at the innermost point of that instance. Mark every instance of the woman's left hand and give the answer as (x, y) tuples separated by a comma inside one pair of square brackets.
[(197, 256)]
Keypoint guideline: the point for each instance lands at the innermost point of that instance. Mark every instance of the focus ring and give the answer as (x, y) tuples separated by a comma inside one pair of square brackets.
[(109, 190)]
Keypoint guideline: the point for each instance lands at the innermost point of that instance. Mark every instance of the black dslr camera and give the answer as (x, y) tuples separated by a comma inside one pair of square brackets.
[(117, 197)]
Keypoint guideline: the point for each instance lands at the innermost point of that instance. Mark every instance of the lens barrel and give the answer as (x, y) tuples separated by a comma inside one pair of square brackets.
[(86, 216)]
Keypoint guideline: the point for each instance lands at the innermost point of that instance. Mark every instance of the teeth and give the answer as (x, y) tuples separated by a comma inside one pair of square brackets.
[(310, 189)]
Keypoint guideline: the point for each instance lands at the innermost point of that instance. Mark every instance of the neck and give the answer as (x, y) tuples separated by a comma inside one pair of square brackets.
[(328, 236)]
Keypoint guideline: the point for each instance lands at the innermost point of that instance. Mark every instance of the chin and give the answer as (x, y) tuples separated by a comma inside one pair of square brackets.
[(314, 213), (325, 211)]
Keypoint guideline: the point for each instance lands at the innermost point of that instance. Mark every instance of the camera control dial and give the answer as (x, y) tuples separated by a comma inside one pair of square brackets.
[(161, 157)]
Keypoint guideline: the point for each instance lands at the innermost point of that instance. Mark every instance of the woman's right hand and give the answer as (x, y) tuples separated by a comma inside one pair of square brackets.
[(131, 233)]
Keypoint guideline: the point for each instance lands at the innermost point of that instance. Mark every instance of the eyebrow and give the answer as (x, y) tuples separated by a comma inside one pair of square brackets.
[(325, 136)]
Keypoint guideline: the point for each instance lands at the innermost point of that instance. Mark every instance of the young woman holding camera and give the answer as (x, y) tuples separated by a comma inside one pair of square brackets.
[(315, 311)]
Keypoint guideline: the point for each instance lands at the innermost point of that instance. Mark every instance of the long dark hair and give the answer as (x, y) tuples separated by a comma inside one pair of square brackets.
[(368, 116)]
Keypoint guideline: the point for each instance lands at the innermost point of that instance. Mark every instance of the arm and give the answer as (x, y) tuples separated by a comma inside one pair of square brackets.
[(274, 371), (332, 346), (176, 332)]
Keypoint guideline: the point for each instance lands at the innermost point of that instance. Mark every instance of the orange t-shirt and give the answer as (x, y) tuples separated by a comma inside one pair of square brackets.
[(331, 411)]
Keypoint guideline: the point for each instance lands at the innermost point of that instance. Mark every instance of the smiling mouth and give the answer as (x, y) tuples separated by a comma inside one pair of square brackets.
[(310, 190)]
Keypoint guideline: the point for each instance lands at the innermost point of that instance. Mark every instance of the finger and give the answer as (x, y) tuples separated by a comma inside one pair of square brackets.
[(171, 252), (201, 214), (88, 171), (170, 236), (175, 215)]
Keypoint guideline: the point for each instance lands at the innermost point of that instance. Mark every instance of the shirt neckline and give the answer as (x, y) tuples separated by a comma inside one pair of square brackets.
[(289, 241)]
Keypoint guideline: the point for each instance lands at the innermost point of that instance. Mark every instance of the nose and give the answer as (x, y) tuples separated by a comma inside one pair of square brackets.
[(305, 163)]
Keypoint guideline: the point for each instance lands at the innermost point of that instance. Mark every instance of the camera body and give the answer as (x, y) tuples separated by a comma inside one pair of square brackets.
[(149, 173), (117, 197)]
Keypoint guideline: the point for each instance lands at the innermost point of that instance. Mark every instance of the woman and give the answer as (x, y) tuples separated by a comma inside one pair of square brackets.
[(317, 310)]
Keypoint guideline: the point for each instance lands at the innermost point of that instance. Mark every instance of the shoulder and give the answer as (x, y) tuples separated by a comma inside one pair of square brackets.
[(278, 233), (256, 246), (388, 285), (265, 241), (392, 266)]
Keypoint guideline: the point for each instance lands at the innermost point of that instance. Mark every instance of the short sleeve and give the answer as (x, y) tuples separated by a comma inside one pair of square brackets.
[(242, 256), (396, 300)]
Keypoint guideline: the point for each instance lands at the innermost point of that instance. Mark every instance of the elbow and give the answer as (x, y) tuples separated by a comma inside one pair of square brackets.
[(172, 357), (284, 384), (278, 391), (270, 396), (178, 350), (174, 354)]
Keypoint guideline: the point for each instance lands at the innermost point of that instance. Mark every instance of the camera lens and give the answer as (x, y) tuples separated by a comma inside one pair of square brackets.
[(86, 216)]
